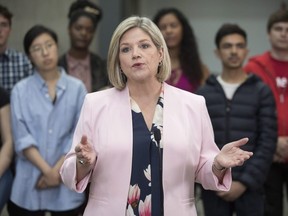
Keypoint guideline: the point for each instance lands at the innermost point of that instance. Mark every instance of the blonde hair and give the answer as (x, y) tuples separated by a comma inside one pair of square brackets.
[(114, 72)]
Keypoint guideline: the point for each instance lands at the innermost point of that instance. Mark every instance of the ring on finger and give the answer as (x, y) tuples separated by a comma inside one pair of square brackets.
[(81, 161)]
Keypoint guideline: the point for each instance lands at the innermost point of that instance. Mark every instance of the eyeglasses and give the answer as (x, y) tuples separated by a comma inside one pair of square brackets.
[(39, 49)]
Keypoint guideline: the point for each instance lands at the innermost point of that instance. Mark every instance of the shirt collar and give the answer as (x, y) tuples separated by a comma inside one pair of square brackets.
[(61, 84)]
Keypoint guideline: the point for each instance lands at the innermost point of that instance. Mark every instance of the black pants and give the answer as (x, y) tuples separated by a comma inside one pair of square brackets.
[(15, 210), (251, 203), (274, 187)]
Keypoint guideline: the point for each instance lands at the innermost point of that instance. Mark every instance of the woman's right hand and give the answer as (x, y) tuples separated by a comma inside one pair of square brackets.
[(85, 153)]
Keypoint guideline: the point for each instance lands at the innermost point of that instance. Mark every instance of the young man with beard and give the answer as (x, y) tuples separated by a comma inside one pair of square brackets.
[(240, 105), (272, 68), (79, 61)]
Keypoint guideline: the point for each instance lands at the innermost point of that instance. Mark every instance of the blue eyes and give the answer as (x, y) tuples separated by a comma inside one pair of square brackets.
[(145, 46), (127, 49)]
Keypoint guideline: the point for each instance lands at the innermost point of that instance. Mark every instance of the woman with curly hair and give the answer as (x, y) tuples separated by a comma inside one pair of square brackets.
[(188, 72)]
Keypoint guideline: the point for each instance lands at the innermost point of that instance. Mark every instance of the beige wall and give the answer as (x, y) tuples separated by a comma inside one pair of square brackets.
[(51, 13), (205, 16)]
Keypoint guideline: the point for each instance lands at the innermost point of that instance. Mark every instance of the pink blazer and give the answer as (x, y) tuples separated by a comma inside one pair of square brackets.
[(188, 153)]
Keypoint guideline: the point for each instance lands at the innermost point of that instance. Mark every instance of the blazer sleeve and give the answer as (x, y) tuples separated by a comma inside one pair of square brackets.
[(68, 169)]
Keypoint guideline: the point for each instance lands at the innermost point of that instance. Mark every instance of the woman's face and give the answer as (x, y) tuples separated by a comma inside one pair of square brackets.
[(44, 53), (139, 57), (171, 29), (81, 33)]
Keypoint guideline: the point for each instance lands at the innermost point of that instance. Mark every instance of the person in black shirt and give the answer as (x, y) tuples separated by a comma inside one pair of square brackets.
[(6, 149)]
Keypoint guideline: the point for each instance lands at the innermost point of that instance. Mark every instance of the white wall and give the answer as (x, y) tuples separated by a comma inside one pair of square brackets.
[(207, 16)]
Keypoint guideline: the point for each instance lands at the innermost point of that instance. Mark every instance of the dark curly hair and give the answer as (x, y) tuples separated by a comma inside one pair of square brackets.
[(86, 8), (189, 55)]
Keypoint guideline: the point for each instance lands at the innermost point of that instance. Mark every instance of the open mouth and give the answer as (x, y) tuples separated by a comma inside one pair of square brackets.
[(137, 64)]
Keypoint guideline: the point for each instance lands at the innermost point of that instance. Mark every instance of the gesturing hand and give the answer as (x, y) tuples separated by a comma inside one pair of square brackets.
[(85, 153), (231, 155)]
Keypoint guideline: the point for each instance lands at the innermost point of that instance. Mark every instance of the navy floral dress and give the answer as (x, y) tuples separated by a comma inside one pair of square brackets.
[(145, 196)]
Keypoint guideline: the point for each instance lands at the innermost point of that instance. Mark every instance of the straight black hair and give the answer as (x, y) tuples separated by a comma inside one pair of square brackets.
[(33, 33), (228, 29)]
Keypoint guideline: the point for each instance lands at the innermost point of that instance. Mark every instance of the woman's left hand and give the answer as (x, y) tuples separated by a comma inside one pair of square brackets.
[(231, 155)]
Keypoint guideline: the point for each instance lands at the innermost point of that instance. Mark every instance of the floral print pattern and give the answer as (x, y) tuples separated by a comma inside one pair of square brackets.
[(134, 195), (145, 196), (145, 207)]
